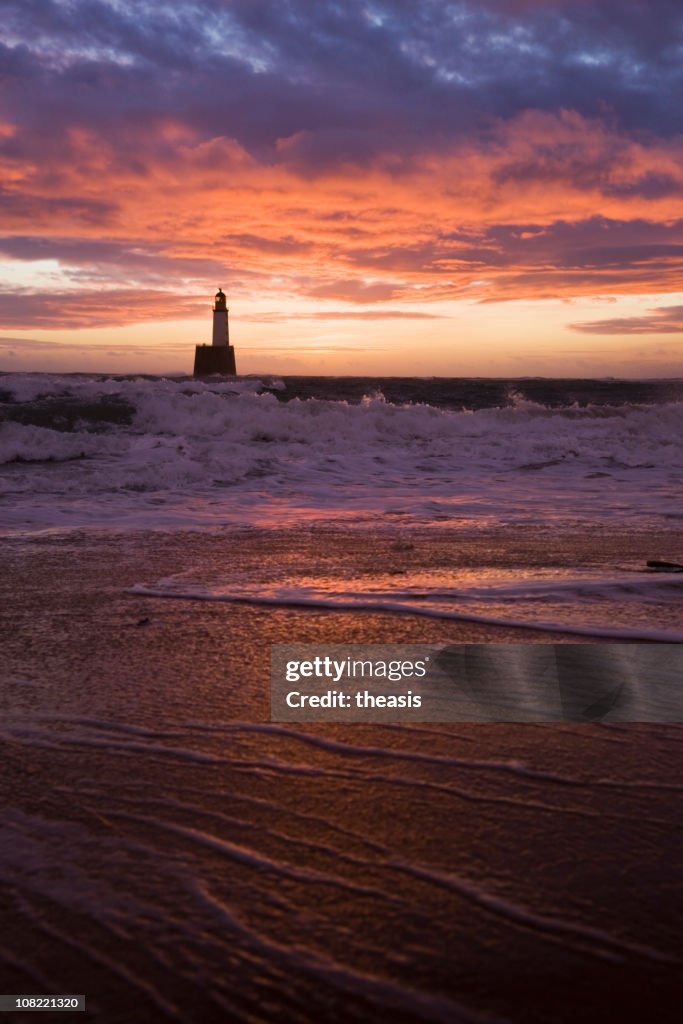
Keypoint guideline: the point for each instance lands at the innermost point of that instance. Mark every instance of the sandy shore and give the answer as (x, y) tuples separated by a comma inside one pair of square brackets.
[(172, 854)]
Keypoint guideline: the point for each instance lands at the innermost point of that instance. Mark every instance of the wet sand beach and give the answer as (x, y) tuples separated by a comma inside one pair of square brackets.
[(174, 855)]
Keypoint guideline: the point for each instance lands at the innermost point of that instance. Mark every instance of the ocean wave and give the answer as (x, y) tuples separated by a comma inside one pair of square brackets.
[(402, 604), (235, 451)]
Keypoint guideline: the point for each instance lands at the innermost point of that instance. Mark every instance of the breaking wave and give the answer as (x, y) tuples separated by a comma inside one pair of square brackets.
[(80, 450)]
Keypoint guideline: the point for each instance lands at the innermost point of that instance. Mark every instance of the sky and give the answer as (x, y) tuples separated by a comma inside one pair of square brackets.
[(485, 188)]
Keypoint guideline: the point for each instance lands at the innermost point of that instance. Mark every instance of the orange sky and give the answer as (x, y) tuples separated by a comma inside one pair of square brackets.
[(354, 232)]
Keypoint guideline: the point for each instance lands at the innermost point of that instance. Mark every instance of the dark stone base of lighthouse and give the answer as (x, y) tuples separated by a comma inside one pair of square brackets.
[(211, 359)]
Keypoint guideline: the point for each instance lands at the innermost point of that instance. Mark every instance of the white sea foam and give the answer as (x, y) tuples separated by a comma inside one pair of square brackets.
[(185, 453), (591, 604)]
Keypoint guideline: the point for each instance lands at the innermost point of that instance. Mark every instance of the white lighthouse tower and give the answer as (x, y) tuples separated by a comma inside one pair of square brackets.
[(219, 356), (221, 331)]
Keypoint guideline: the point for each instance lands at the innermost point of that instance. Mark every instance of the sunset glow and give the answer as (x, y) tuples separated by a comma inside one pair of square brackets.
[(480, 189)]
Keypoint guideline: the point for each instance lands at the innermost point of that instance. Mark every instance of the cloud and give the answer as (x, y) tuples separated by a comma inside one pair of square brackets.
[(361, 152), (18, 347), (343, 314), (351, 290), (86, 258), (340, 74), (659, 320), (314, 348), (107, 308), (35, 344)]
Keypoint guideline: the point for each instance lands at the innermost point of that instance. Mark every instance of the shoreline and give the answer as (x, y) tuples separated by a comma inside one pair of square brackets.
[(127, 559), (204, 863), (71, 619)]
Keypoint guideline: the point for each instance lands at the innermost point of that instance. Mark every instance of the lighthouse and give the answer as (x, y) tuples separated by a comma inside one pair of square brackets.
[(219, 356)]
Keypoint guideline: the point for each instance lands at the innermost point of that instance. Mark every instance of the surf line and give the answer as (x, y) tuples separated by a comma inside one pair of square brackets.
[(397, 608)]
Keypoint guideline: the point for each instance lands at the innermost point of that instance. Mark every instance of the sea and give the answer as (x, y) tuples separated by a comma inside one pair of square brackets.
[(529, 457), (174, 854)]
